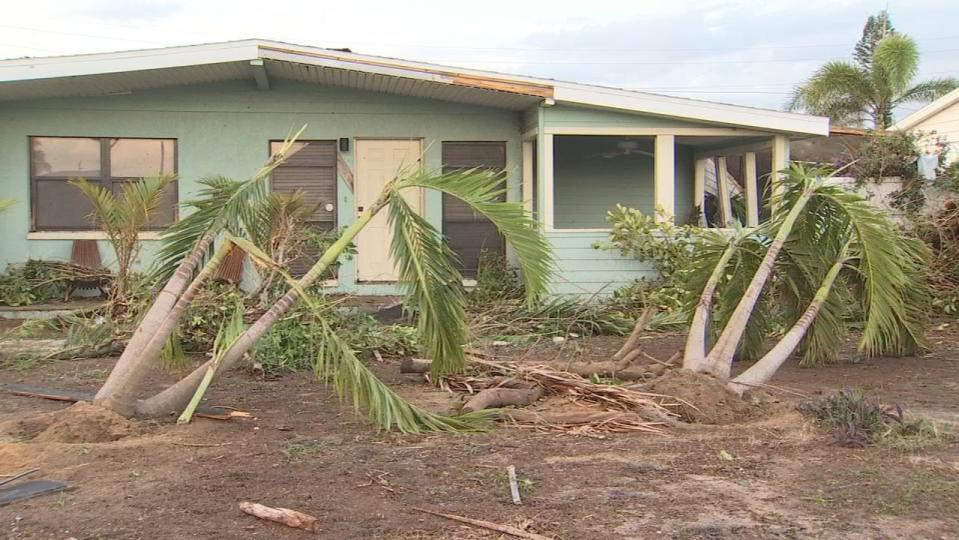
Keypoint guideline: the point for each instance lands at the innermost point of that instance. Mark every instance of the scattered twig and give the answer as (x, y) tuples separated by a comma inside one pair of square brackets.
[(489, 525), (18, 476)]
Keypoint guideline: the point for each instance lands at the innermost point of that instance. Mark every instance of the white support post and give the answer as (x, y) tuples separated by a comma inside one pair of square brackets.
[(699, 191), (546, 181), (752, 189), (664, 183), (780, 160), (722, 185), (528, 175)]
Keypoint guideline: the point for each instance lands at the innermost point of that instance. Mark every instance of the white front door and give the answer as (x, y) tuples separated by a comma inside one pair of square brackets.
[(377, 162)]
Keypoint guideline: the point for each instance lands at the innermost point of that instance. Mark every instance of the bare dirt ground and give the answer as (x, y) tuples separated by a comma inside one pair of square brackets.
[(773, 477)]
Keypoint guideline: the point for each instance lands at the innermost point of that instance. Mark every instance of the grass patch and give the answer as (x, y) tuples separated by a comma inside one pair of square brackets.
[(916, 493), (300, 449)]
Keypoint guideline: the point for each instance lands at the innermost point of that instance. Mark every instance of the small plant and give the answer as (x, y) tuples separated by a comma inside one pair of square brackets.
[(496, 281), (858, 420), (300, 449)]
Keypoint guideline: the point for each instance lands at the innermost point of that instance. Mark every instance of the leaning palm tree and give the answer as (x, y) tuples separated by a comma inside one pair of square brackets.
[(881, 79), (827, 251), (426, 267)]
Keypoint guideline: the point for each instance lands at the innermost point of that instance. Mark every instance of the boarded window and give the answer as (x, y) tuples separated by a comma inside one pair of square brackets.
[(469, 233), (108, 162), (310, 170)]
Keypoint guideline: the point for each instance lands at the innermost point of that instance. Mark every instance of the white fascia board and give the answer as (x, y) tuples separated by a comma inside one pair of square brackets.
[(928, 111), (97, 64), (704, 111)]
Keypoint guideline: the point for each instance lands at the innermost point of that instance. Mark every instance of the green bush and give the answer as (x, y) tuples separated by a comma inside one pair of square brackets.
[(33, 282)]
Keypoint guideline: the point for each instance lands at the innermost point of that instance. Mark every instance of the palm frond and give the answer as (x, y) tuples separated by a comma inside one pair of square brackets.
[(433, 284), (895, 62), (338, 364), (481, 189), (930, 90), (6, 203), (889, 268), (839, 90), (221, 204)]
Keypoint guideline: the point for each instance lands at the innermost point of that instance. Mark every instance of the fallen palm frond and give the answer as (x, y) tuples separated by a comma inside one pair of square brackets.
[(633, 410)]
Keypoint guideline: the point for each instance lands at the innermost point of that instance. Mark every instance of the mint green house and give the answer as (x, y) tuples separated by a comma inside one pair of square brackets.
[(570, 151)]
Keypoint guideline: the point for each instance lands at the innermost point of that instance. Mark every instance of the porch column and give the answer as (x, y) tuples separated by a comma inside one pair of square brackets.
[(699, 191), (664, 177), (528, 176), (722, 185), (545, 180), (780, 158), (752, 189)]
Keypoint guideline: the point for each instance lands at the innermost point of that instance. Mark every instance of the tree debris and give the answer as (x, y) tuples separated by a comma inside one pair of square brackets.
[(505, 529), (283, 516)]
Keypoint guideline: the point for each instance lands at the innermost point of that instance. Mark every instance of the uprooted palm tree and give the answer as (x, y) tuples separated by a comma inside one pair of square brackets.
[(123, 217), (827, 253), (880, 79), (426, 268)]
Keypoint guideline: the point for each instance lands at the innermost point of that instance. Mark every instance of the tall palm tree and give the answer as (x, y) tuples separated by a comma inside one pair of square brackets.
[(828, 251), (426, 266), (880, 79)]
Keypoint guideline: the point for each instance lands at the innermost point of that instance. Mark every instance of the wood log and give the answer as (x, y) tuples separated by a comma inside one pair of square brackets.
[(283, 516), (415, 365), (638, 330), (505, 529), (571, 418), (493, 398)]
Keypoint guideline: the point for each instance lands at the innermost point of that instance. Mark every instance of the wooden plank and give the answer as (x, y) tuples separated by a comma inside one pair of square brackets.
[(699, 190), (29, 490)]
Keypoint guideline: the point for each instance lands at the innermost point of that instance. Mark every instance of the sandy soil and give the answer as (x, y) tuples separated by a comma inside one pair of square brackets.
[(771, 477)]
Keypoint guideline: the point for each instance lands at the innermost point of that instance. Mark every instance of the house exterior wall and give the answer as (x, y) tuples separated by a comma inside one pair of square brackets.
[(225, 129), (946, 124)]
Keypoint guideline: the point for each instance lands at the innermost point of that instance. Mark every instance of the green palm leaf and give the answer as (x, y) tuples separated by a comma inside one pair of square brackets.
[(434, 285), (481, 189), (221, 205), (6, 203)]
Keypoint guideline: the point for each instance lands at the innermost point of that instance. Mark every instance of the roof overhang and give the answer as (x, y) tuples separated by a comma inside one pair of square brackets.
[(107, 73)]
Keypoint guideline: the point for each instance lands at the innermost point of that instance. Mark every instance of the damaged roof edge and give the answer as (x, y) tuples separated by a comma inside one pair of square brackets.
[(546, 89)]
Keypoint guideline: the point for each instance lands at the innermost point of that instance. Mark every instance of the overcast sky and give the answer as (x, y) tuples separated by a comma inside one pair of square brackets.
[(746, 52)]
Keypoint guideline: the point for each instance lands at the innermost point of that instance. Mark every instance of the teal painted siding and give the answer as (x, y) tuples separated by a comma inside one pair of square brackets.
[(224, 129), (586, 271)]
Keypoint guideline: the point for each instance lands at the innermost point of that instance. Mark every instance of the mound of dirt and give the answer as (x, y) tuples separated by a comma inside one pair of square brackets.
[(86, 423), (702, 399)]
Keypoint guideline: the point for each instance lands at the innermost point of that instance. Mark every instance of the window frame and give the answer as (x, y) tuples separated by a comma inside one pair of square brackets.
[(105, 179)]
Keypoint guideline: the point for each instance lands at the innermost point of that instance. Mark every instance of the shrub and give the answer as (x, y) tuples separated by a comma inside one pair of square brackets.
[(858, 420), (33, 282)]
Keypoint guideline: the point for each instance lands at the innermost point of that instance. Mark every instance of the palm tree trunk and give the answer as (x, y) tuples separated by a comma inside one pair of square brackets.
[(174, 398), (766, 367), (719, 360), (132, 361), (695, 351)]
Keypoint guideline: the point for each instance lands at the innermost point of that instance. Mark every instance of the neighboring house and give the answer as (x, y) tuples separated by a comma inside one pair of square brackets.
[(940, 116), (570, 151)]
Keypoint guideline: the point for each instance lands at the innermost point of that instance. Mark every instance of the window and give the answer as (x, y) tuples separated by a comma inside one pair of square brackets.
[(109, 162), (310, 170), (468, 233)]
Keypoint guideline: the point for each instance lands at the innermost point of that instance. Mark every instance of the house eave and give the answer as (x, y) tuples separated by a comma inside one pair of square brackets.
[(544, 91)]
